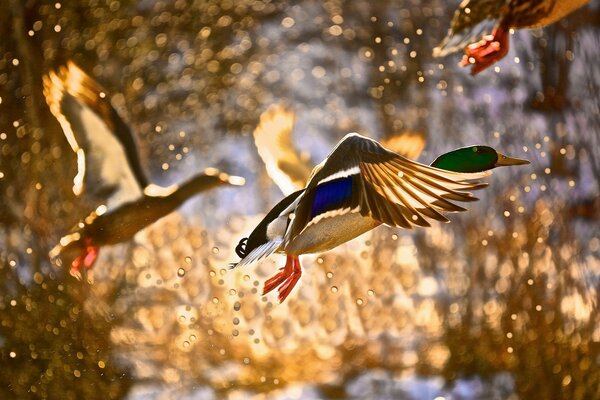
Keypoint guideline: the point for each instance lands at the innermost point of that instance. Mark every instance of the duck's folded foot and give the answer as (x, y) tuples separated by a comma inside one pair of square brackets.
[(487, 51), (285, 279), (76, 264), (87, 259), (91, 253), (286, 288), (279, 277)]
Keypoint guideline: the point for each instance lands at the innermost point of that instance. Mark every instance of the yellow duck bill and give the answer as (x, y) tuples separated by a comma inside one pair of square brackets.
[(504, 160)]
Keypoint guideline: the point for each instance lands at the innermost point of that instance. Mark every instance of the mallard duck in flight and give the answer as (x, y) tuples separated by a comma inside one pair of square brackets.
[(109, 164), (358, 187), (482, 27)]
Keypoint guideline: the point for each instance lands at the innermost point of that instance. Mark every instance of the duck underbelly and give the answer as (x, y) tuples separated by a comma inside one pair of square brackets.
[(329, 233)]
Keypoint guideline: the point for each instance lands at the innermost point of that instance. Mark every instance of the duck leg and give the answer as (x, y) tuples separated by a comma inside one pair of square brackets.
[(76, 266), (87, 259), (487, 51), (90, 256), (286, 288), (285, 279), (280, 277)]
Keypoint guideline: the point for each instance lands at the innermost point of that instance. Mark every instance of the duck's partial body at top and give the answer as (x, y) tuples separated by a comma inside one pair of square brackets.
[(108, 165), (359, 186), (482, 27)]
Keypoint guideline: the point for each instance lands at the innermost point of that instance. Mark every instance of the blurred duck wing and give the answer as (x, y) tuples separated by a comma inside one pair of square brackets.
[(273, 139), (407, 144), (108, 163)]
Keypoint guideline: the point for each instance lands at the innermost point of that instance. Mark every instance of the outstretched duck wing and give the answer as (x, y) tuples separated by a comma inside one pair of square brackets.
[(273, 139), (360, 175), (107, 156)]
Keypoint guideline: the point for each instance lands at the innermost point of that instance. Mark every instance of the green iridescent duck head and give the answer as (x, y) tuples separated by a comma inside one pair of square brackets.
[(475, 159)]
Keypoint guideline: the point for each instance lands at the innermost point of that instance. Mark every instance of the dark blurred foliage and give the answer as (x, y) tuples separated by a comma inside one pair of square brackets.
[(507, 293)]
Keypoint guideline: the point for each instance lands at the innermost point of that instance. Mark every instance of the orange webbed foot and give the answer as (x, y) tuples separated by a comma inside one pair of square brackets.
[(76, 264), (286, 279), (280, 277), (286, 288), (487, 51), (87, 259)]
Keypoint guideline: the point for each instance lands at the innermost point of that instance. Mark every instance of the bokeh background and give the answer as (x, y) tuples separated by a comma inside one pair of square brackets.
[(499, 304)]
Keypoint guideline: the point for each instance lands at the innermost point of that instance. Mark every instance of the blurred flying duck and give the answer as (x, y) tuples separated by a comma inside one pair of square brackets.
[(482, 27), (359, 186), (108, 163), (289, 168)]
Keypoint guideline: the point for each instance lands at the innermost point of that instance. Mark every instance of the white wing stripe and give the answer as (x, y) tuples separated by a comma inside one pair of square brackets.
[(341, 174)]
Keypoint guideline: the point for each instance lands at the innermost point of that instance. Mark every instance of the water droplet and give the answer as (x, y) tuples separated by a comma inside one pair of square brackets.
[(186, 344), (232, 292), (180, 272), (359, 301), (212, 273), (193, 338), (215, 300), (237, 305), (188, 259), (330, 275), (236, 321), (235, 332), (371, 292), (320, 260), (334, 289), (246, 360), (246, 278), (215, 250)]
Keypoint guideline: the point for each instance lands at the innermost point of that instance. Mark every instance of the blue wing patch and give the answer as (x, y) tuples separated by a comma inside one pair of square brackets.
[(331, 196)]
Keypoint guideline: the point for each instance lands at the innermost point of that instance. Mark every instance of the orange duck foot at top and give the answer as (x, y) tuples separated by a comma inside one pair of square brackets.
[(487, 51)]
